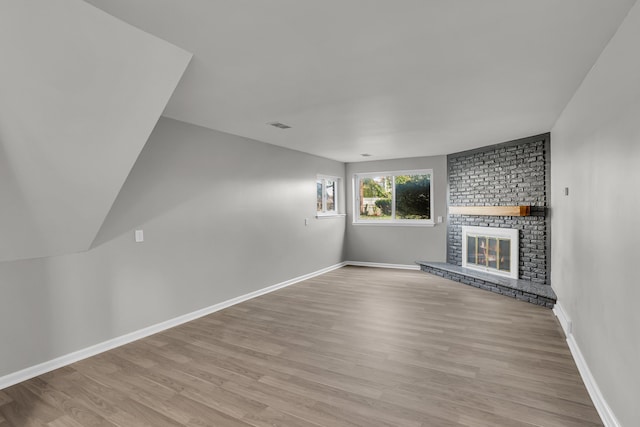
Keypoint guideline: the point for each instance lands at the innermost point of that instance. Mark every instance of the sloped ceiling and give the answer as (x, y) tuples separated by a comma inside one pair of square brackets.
[(80, 92), (390, 78)]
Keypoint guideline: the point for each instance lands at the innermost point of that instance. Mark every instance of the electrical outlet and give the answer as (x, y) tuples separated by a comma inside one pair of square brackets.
[(139, 236)]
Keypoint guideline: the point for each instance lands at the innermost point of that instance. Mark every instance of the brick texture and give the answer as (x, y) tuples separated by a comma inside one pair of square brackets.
[(513, 173), (492, 287)]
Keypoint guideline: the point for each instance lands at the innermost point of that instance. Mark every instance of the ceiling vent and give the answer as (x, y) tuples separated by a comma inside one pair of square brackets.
[(279, 125)]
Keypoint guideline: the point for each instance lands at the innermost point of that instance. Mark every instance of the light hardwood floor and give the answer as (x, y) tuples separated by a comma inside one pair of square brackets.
[(354, 347)]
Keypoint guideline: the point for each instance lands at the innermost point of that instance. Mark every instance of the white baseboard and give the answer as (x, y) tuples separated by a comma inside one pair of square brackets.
[(563, 318), (383, 265), (67, 359), (604, 410)]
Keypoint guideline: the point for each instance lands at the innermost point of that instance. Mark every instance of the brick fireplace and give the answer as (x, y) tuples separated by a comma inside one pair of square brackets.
[(515, 173), (491, 249)]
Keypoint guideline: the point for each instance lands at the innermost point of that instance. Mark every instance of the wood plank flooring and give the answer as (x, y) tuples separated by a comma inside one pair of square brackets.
[(355, 347)]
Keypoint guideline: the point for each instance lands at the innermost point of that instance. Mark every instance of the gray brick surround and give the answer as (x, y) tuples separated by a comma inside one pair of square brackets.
[(513, 173), (523, 290)]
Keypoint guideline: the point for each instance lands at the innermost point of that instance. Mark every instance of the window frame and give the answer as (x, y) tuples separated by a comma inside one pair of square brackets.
[(358, 176), (336, 196)]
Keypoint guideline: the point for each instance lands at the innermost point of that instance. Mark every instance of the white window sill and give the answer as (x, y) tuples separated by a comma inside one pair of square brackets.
[(329, 215), (396, 223)]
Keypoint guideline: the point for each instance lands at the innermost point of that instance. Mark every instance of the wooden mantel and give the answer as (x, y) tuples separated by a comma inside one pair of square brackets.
[(491, 210)]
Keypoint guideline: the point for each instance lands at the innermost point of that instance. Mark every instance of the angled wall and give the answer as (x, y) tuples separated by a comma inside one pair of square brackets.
[(80, 92), (222, 216), (595, 153)]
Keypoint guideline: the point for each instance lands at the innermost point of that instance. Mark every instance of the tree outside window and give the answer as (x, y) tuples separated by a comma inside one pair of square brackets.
[(327, 195), (394, 197)]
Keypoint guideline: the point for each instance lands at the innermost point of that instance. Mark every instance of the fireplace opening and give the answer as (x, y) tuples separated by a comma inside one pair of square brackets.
[(490, 249)]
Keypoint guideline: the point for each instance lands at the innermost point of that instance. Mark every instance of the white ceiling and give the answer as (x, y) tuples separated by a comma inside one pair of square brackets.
[(394, 79)]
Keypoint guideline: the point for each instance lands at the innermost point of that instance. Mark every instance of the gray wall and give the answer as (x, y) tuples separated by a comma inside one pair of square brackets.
[(81, 93), (222, 216), (595, 152), (512, 173), (399, 244)]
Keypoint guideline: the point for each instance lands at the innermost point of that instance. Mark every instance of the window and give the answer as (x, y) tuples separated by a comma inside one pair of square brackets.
[(400, 197), (327, 195)]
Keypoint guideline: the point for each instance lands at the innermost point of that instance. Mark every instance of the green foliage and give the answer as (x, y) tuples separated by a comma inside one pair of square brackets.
[(370, 188), (403, 179), (412, 197), (384, 205)]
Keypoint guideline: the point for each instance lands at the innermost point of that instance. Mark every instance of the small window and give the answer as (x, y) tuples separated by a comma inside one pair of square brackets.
[(400, 197), (327, 195)]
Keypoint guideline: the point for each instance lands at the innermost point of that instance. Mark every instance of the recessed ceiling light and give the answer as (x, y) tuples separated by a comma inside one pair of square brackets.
[(279, 125), (365, 155)]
